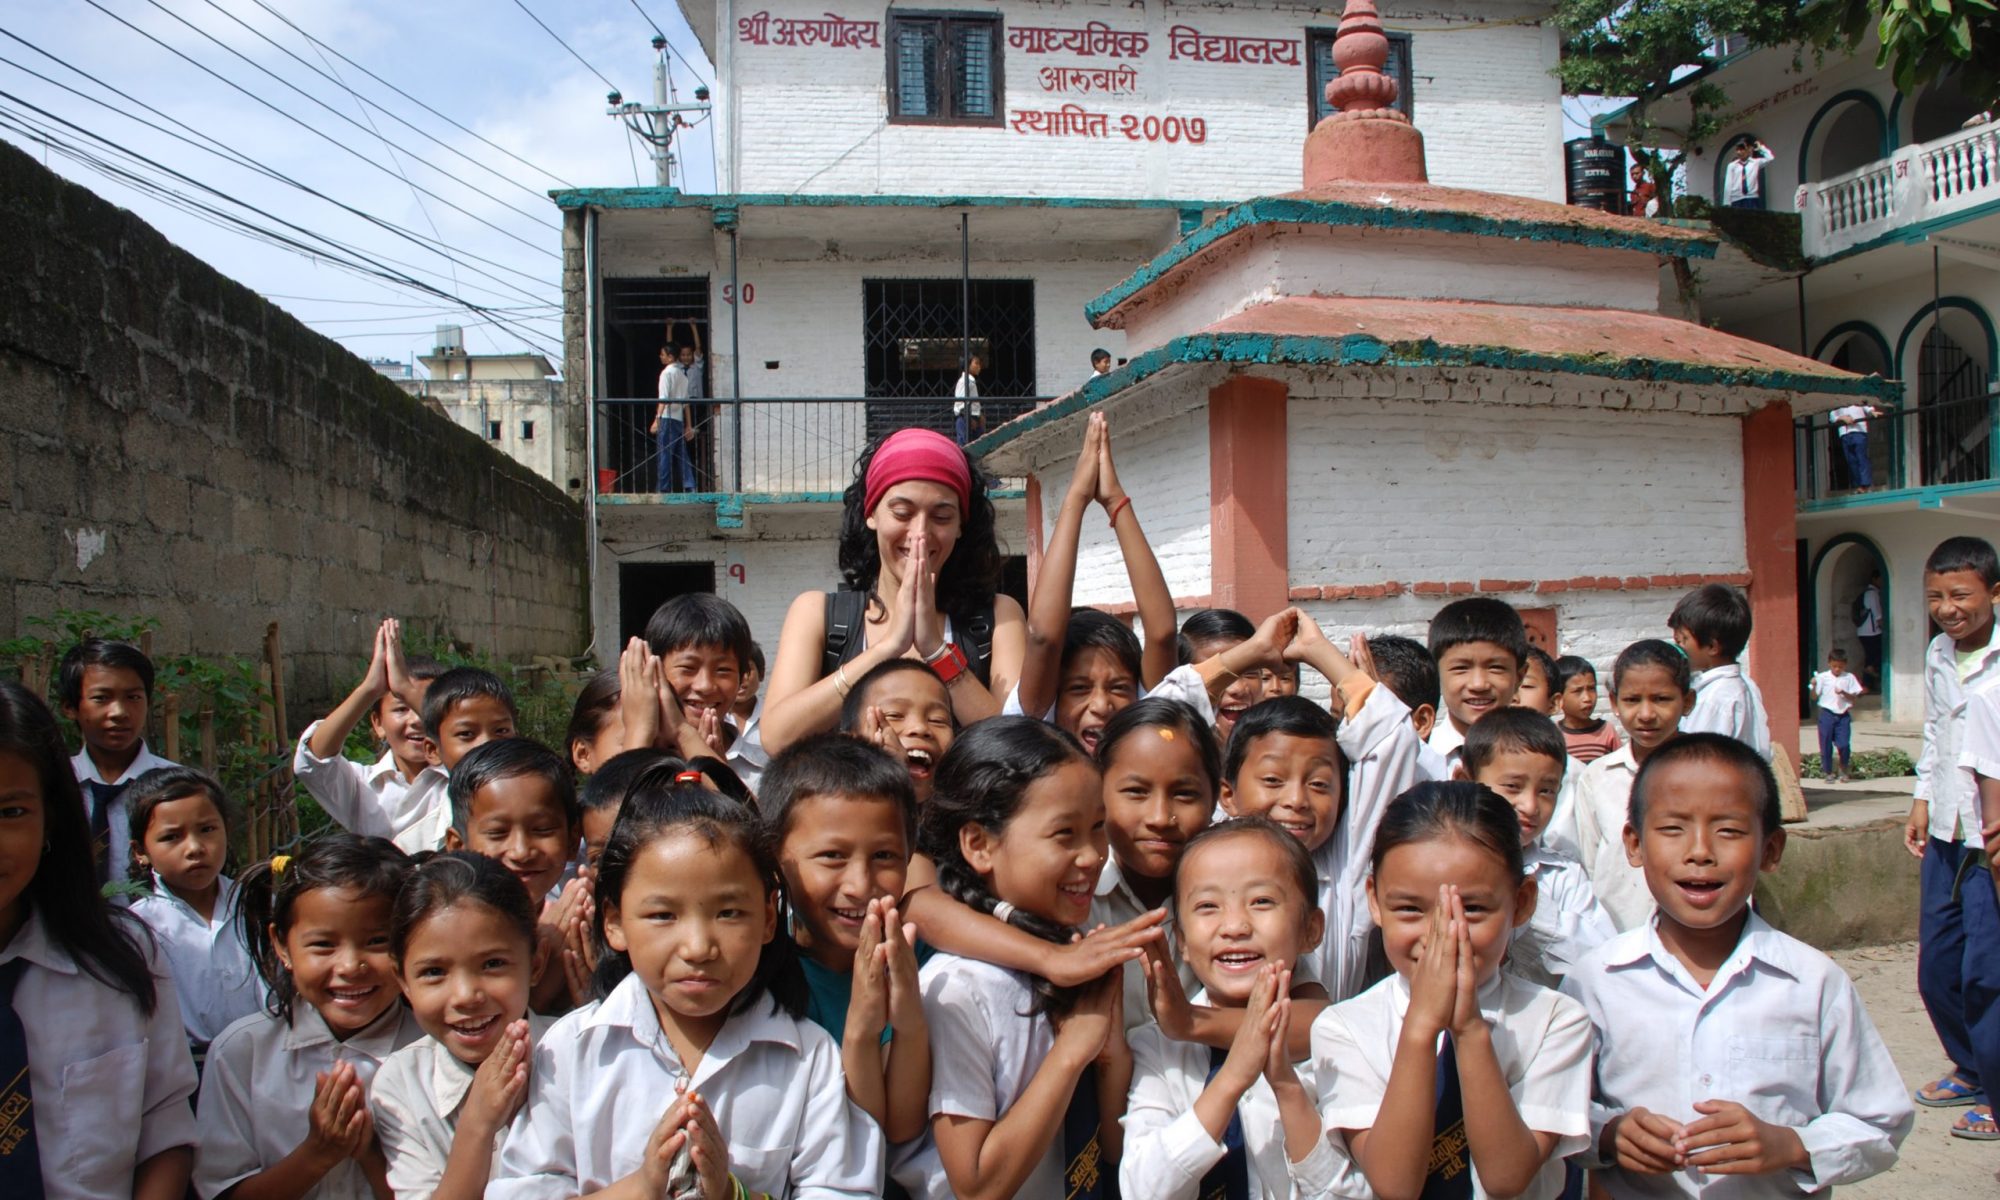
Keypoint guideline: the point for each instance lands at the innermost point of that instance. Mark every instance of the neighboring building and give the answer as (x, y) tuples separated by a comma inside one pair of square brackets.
[(391, 368), (511, 400), (1377, 394), (877, 169), (1896, 273)]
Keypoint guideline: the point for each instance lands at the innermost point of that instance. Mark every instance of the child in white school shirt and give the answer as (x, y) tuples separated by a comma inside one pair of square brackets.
[(702, 1044), (401, 795), (83, 997), (106, 687), (284, 1098), (1726, 1048), (1711, 625)]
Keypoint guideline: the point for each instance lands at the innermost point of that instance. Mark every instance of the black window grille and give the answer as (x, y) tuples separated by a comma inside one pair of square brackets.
[(1323, 72), (911, 332), (944, 68)]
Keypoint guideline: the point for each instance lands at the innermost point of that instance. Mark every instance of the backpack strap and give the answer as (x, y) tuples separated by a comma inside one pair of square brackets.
[(977, 642), (846, 636)]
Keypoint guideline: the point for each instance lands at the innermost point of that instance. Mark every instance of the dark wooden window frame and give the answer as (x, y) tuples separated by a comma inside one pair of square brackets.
[(947, 89), (1406, 96)]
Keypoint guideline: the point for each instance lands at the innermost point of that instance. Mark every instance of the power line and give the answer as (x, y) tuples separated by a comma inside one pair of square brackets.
[(205, 69), (565, 45), (387, 304), (407, 96), (662, 35)]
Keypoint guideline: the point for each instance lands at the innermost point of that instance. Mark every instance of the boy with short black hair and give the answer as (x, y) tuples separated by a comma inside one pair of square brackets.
[(1726, 1048), (1480, 647), (1958, 931), (1404, 667), (1538, 682), (704, 644), (514, 800), (1711, 625), (1834, 691), (1651, 691), (1588, 736), (464, 708), (106, 687), (1520, 754)]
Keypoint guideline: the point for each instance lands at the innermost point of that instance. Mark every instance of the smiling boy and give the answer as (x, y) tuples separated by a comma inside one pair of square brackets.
[(1480, 647)]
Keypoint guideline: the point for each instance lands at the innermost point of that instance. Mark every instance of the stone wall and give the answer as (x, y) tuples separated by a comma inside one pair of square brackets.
[(178, 447)]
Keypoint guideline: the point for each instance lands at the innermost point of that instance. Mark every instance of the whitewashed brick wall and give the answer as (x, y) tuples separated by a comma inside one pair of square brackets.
[(814, 119)]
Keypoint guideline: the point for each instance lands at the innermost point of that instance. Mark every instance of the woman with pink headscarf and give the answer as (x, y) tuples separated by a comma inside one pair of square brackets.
[(920, 568)]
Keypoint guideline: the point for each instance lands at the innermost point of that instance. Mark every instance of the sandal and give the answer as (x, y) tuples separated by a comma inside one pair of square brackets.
[(1964, 1126), (1950, 1092)]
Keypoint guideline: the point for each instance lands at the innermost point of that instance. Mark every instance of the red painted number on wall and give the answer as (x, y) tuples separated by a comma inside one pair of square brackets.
[(1192, 130), (749, 293)]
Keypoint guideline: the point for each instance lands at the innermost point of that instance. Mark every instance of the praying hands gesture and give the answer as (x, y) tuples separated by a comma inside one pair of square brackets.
[(653, 718), (1444, 988)]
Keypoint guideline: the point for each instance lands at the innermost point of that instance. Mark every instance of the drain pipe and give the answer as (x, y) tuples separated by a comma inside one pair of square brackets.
[(592, 369), (736, 355)]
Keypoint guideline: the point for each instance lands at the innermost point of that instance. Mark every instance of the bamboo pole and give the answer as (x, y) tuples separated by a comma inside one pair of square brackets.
[(170, 722), (208, 736), (274, 661)]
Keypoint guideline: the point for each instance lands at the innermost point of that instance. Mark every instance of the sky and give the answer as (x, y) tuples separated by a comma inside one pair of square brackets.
[(241, 96), (484, 64)]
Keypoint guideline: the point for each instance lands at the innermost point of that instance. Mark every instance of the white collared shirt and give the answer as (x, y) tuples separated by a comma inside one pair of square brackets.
[(1744, 178), (1115, 904), (1541, 1038), (216, 982), (1779, 1030), (1835, 693), (1603, 797), (110, 1084), (1447, 741), (416, 1099), (747, 756), (257, 1092), (604, 1075), (1168, 1150), (375, 800), (119, 852), (1954, 802), (985, 1051), (1727, 701), (1567, 923), (1432, 767)]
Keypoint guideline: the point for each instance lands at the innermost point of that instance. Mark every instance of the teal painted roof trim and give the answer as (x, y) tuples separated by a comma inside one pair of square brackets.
[(657, 197), (1932, 497), (1264, 349), (1916, 232), (1288, 210)]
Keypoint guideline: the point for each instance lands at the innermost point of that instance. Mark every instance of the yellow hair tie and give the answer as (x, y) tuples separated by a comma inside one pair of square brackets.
[(1166, 735), (278, 864)]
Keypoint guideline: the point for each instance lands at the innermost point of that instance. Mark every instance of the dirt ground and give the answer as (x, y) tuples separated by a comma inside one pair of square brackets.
[(1934, 1164)]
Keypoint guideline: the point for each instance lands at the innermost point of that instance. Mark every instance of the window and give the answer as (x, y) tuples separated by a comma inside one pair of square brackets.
[(911, 330), (1323, 72), (527, 431), (944, 68), (492, 431)]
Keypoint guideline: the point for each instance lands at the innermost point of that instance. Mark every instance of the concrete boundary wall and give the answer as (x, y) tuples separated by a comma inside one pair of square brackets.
[(176, 446)]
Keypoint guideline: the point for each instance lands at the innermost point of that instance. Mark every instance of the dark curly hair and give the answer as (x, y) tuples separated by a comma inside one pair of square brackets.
[(968, 579)]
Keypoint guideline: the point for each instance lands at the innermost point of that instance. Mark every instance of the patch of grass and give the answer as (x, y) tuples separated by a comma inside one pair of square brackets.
[(1869, 764)]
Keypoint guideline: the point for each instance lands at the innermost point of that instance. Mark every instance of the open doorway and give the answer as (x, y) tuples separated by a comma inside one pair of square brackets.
[(641, 316), (643, 587), (1850, 608)]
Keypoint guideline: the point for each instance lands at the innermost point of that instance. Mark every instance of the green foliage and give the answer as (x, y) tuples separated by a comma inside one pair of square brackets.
[(1921, 39), (1869, 764)]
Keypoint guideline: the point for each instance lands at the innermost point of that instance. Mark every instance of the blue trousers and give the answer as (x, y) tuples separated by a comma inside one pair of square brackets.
[(1958, 959), (672, 457), (1854, 447), (1834, 729)]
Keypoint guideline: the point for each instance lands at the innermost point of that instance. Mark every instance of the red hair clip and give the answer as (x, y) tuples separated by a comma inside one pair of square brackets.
[(688, 777)]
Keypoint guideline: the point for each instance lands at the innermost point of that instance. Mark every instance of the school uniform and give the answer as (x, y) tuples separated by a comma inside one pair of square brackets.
[(747, 756), (1381, 748), (1958, 926), (108, 1086), (374, 800), (1541, 1038), (105, 804), (1567, 923), (1114, 904), (1431, 766), (604, 1075), (985, 1050), (257, 1090), (416, 1100), (1168, 1152), (1560, 834), (1448, 742), (1834, 698), (1603, 799), (1779, 1030), (1727, 701), (215, 980)]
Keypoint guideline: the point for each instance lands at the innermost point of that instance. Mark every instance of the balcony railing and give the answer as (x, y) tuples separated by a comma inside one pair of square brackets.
[(1942, 444), (1915, 184), (791, 446)]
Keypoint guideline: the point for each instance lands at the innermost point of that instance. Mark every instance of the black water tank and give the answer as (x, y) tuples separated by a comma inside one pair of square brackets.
[(1596, 172)]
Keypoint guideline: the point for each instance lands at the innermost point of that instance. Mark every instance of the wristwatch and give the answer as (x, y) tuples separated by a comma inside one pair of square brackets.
[(950, 664)]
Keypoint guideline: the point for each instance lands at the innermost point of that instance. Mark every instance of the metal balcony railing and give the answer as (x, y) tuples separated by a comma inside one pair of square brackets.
[(1941, 444), (792, 446)]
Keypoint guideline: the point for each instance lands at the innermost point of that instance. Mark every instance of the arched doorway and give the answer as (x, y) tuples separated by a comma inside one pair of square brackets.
[(1842, 569), (1941, 109), (1946, 357), (1848, 132), (1859, 347)]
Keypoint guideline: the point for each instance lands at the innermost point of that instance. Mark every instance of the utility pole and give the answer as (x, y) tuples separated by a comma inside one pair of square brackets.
[(656, 124)]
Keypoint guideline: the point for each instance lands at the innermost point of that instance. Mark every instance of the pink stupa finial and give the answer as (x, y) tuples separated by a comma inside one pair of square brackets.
[(1367, 140)]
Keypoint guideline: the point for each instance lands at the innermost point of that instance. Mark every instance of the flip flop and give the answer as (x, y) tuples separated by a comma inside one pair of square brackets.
[(1956, 1093), (1963, 1127)]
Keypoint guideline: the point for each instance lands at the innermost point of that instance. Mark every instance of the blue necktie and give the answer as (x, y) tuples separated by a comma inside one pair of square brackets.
[(20, 1158), (1450, 1173), (102, 797), (1230, 1178), (1084, 1174)]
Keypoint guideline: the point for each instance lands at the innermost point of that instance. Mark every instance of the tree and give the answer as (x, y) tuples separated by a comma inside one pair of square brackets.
[(1921, 39)]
